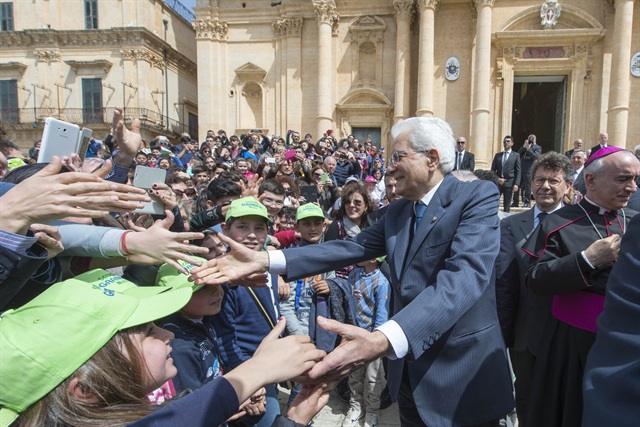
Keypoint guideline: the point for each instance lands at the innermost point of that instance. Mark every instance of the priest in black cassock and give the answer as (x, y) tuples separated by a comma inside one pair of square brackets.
[(573, 252)]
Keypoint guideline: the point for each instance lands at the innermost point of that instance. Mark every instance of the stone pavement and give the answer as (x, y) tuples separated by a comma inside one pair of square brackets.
[(332, 414)]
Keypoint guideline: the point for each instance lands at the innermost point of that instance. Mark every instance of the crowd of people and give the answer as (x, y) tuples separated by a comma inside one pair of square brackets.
[(288, 263)]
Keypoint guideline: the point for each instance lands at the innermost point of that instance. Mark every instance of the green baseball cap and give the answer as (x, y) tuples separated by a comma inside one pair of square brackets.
[(46, 340), (309, 210), (169, 276), (246, 206)]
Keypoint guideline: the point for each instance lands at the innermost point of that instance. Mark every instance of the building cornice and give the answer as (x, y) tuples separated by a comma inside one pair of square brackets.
[(121, 38)]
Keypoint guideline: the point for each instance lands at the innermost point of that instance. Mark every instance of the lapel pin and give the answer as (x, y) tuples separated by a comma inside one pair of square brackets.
[(434, 219)]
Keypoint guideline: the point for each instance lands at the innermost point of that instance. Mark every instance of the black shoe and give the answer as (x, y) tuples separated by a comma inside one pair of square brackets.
[(514, 205), (526, 205)]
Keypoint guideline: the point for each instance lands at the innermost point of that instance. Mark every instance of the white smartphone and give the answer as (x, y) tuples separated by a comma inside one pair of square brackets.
[(270, 160), (145, 177), (59, 138)]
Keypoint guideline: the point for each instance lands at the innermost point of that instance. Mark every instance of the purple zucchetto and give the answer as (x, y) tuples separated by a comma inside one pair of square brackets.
[(603, 152)]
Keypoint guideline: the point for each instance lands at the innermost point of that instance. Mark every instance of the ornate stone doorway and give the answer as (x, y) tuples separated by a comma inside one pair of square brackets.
[(539, 104)]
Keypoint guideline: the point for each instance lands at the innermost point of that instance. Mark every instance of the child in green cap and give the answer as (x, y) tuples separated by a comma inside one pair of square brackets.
[(195, 350), (248, 314), (300, 309), (86, 352), (310, 224)]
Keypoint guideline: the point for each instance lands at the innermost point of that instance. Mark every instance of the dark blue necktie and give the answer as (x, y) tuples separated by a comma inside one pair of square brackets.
[(419, 209)]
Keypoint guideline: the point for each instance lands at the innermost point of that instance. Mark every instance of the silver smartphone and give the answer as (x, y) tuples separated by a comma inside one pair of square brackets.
[(145, 177), (83, 143), (59, 138)]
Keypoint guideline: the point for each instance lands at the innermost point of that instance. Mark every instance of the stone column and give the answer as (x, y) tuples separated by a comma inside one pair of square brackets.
[(404, 13), (619, 85), (212, 107), (427, 10), (327, 15), (288, 114), (482, 83)]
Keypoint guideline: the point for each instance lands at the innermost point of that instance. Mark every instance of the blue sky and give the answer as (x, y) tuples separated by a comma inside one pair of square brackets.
[(189, 3)]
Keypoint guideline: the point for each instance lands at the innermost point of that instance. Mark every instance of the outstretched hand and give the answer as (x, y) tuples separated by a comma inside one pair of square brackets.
[(293, 356), (239, 266), (129, 141), (297, 352), (357, 347), (49, 195), (309, 401), (157, 245)]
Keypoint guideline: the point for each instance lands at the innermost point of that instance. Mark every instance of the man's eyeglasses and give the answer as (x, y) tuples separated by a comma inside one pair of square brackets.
[(461, 142), (397, 156), (553, 182), (189, 192)]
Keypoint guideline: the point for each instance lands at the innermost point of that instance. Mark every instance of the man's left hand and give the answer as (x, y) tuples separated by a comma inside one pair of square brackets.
[(358, 346)]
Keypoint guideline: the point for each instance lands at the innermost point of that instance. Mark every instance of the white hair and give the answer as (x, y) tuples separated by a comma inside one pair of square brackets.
[(426, 133)]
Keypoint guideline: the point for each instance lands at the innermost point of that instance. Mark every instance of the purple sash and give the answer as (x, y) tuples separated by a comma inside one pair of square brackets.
[(580, 309)]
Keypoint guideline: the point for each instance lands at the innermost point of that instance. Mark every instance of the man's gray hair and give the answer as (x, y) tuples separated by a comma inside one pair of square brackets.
[(426, 133)]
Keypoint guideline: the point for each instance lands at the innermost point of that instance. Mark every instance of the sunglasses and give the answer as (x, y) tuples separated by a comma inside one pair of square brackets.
[(189, 192)]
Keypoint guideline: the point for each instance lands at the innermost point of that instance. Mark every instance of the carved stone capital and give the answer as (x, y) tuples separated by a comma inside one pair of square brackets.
[(129, 54), (403, 9), (288, 27), (211, 29), (44, 55), (478, 3), (326, 11), (427, 4), (152, 58)]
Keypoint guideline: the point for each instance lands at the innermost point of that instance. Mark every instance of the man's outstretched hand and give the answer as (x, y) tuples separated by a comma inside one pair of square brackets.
[(242, 266)]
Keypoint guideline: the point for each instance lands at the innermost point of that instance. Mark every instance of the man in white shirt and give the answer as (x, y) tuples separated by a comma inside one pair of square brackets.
[(603, 142), (465, 160), (577, 160)]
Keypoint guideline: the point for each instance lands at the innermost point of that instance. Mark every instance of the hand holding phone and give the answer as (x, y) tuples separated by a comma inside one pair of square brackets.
[(145, 177), (59, 138)]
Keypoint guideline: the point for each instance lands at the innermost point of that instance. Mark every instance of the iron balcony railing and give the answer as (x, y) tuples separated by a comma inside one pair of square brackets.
[(149, 119)]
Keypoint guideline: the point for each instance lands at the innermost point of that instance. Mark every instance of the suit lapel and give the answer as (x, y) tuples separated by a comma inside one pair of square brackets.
[(526, 224), (432, 215)]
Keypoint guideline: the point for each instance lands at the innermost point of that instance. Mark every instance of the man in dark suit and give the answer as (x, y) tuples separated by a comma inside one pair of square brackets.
[(527, 314), (529, 152), (603, 141), (465, 160), (577, 145), (447, 359), (506, 165), (612, 374)]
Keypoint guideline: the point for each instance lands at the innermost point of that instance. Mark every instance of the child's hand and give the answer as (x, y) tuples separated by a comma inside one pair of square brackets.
[(309, 402), (321, 287), (284, 290)]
